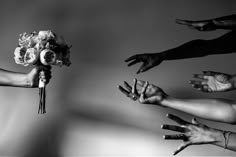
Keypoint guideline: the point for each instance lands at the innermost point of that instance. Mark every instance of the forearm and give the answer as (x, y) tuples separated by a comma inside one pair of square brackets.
[(220, 110), (199, 48), (9, 78), (225, 22)]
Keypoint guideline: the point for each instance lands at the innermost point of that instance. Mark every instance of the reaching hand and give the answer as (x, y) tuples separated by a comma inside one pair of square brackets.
[(213, 82), (42, 72), (191, 133), (148, 60), (146, 93), (205, 25)]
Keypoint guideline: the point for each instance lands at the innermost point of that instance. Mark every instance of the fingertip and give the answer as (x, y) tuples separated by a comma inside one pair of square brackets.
[(175, 153), (191, 81), (164, 137)]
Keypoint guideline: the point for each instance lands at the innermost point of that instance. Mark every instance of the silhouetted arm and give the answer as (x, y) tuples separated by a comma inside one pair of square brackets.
[(224, 22), (200, 48), (195, 48)]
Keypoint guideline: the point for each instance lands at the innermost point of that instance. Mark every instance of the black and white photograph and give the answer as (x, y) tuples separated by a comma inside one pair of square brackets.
[(117, 78)]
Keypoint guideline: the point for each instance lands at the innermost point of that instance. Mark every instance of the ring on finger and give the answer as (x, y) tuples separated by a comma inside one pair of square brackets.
[(133, 97)]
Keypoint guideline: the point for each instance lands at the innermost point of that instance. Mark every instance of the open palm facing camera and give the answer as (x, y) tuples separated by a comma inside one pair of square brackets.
[(213, 82)]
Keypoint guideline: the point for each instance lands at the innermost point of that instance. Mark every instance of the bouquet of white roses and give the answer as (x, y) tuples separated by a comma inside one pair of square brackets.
[(42, 48)]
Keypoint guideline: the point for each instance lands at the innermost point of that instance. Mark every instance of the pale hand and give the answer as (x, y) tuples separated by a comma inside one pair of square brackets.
[(213, 82), (143, 91), (193, 133)]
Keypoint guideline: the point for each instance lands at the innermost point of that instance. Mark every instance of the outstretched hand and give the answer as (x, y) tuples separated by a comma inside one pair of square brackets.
[(204, 25), (193, 133), (213, 82), (144, 92), (148, 60)]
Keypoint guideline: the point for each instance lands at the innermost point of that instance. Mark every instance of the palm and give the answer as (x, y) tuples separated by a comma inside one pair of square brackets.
[(219, 82), (213, 82)]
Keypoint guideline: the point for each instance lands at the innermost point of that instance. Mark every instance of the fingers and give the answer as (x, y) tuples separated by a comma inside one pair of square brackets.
[(142, 95), (144, 67), (174, 128), (127, 86), (134, 62), (200, 85), (203, 88), (199, 76), (125, 92), (175, 137), (129, 91), (177, 119), (195, 82), (132, 58), (134, 86), (182, 147), (210, 73), (184, 22), (140, 83)]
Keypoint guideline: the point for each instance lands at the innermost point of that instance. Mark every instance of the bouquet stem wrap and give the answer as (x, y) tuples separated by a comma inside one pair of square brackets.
[(42, 97)]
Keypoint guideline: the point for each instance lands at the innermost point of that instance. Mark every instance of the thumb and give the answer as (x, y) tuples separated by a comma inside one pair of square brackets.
[(181, 147)]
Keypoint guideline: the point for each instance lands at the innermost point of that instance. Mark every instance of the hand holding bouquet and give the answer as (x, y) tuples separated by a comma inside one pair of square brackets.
[(43, 48)]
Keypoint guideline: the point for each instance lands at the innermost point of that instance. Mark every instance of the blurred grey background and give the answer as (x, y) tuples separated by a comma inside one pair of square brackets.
[(86, 114)]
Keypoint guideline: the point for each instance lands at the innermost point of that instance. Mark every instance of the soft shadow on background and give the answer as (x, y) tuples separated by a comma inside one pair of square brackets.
[(86, 114)]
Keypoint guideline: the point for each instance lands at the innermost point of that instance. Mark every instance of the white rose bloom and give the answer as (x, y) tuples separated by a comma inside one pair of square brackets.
[(46, 34), (48, 57), (31, 56), (19, 55)]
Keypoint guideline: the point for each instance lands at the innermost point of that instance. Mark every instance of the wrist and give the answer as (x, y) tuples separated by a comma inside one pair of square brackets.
[(166, 101), (219, 137)]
